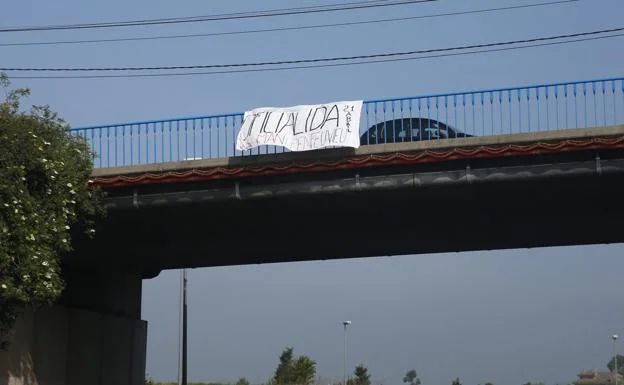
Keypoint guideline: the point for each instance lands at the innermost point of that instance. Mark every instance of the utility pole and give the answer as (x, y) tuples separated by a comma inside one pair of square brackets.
[(182, 343)]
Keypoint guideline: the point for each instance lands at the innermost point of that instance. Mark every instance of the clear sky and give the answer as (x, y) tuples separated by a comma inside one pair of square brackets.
[(507, 317)]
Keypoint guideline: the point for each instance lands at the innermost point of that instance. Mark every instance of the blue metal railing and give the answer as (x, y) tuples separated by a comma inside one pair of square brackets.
[(544, 107)]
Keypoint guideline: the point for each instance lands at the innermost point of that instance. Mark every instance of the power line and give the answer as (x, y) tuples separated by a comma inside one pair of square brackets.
[(472, 52), (195, 19), (314, 26), (318, 60), (183, 18)]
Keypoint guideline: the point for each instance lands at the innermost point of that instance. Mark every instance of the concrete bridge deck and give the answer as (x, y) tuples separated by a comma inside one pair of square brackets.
[(524, 190), (366, 150)]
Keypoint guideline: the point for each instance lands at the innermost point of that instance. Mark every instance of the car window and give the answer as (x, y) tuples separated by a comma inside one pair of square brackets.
[(408, 130)]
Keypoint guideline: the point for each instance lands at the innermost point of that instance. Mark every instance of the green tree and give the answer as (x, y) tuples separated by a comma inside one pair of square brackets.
[(283, 373), (620, 364), (361, 375), (45, 197), (411, 378), (456, 381), (489, 383), (242, 381), (303, 371)]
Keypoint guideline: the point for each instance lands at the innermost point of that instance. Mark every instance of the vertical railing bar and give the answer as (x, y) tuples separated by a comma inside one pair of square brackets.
[(539, 109), (604, 103), (446, 115), (394, 125), (491, 113), (519, 110), (614, 102), (385, 123), (567, 113), (147, 146), (226, 127), (455, 113), (483, 112), (547, 91), (510, 112), (154, 142), (162, 141), (446, 118), (108, 147), (429, 118), (474, 122), (100, 146), (539, 115), (123, 145), (411, 120), (420, 129), (375, 120), (177, 135), (585, 103), (193, 138), (93, 144), (185, 139), (595, 104), (201, 137), (367, 123), (464, 107), (500, 105), (437, 104), (575, 106), (557, 105), (402, 118), (211, 142), (116, 146), (528, 93), (170, 129), (233, 135), (219, 138), (131, 144)]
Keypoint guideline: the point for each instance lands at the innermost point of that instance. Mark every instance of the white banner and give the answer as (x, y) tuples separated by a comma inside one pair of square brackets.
[(302, 128)]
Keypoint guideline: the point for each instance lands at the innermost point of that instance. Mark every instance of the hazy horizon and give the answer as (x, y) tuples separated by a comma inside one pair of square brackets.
[(495, 303)]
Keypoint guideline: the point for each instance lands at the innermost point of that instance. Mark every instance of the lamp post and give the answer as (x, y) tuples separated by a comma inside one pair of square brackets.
[(345, 324), (615, 364)]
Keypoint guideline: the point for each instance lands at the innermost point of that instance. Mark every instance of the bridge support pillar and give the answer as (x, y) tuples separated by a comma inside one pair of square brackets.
[(93, 336)]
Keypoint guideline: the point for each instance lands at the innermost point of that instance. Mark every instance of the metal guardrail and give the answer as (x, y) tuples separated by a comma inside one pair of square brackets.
[(544, 107)]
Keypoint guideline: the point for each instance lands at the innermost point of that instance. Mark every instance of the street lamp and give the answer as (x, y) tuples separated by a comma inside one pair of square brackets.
[(615, 364), (345, 324)]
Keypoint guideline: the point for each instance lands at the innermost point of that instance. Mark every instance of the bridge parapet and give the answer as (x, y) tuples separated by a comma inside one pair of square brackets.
[(468, 146), (483, 113)]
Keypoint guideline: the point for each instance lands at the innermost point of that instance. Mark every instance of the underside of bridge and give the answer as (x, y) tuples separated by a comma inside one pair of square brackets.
[(566, 198)]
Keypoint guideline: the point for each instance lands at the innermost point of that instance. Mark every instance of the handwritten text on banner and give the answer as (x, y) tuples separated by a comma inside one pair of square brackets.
[(302, 128)]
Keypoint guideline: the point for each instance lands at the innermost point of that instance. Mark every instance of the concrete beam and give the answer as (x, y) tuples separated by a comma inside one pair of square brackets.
[(236, 191)]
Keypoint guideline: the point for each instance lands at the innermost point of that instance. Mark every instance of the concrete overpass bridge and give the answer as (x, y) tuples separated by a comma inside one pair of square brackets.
[(509, 168)]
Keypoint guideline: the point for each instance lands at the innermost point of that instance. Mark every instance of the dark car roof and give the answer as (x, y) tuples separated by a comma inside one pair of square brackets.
[(397, 130)]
